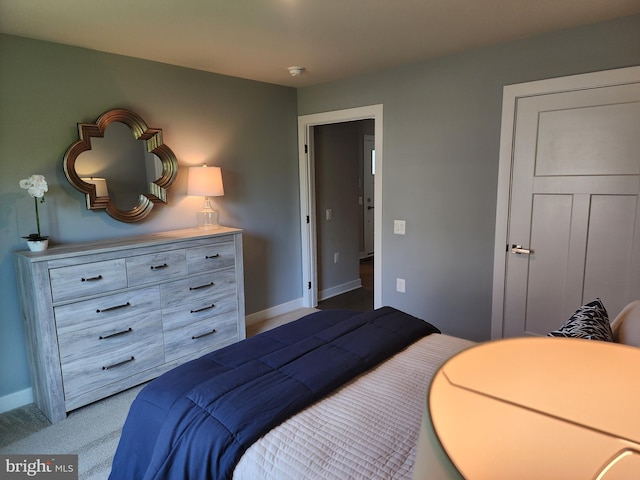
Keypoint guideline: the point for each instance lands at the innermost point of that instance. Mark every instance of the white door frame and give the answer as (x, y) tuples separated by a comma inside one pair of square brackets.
[(307, 196), (511, 94)]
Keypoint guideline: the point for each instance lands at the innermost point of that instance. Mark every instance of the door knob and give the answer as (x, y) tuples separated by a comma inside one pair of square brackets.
[(518, 250)]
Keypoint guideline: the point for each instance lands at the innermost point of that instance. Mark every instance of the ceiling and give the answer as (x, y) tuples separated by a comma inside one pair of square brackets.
[(260, 39)]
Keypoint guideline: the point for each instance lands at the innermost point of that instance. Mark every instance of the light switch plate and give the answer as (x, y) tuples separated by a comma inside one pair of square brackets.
[(399, 227)]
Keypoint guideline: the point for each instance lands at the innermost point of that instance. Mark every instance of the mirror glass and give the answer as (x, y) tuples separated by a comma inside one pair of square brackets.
[(123, 162), (121, 165)]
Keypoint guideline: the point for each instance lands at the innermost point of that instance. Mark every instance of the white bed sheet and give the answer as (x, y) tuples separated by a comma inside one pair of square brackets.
[(368, 429)]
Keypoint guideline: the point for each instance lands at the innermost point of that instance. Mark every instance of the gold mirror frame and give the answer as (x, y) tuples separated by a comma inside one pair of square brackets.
[(157, 189)]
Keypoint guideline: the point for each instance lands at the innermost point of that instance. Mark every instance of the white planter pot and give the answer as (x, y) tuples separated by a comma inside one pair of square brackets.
[(38, 245)]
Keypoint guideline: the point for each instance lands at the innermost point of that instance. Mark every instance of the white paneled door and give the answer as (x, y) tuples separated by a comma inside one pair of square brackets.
[(368, 191), (573, 216)]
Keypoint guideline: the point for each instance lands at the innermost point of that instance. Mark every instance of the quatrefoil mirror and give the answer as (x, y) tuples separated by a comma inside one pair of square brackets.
[(121, 165)]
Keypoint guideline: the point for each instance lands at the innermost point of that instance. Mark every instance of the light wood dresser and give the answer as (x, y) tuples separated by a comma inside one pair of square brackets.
[(104, 316)]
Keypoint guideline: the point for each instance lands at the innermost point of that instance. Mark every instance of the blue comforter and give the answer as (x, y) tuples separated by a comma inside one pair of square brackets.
[(196, 421)]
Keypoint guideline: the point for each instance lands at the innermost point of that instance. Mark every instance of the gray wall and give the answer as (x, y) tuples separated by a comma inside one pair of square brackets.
[(440, 160), (247, 128)]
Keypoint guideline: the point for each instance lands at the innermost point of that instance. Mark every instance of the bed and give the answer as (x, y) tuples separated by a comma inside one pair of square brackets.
[(335, 394), (552, 408)]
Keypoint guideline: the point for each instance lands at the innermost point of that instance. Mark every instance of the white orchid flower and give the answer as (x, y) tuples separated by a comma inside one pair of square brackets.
[(36, 185)]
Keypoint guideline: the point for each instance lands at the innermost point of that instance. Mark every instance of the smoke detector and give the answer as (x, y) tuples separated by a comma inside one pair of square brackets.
[(296, 71)]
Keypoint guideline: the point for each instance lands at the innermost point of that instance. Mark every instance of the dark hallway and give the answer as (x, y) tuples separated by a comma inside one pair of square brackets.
[(359, 299)]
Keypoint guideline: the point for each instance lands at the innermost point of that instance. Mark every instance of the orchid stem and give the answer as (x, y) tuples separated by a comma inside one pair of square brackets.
[(35, 200)]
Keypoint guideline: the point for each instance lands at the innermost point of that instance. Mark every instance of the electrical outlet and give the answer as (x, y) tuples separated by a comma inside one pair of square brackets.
[(336, 257), (399, 227), (400, 285), (328, 214)]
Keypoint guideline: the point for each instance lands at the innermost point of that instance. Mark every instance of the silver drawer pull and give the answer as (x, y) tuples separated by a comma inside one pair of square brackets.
[(92, 279), (195, 337), (111, 335), (159, 267), (116, 307), (209, 307), (212, 256), (108, 367), (202, 286)]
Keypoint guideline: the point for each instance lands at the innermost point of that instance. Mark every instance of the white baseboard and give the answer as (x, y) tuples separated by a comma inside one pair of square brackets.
[(16, 399), (274, 311), (339, 289)]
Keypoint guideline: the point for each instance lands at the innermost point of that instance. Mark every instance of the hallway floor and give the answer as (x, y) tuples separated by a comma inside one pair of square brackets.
[(359, 299)]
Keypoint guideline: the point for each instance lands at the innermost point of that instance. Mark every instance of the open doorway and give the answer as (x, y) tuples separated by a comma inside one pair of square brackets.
[(344, 199), (312, 215)]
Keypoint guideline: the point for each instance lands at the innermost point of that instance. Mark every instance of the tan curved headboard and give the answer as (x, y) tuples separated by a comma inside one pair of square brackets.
[(626, 326)]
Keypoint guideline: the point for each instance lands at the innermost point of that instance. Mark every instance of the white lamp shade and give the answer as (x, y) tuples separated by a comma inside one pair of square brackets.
[(101, 185), (205, 182)]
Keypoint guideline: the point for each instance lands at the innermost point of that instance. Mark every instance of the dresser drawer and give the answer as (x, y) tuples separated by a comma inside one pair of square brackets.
[(87, 279), (154, 267), (123, 333), (196, 309), (181, 293), (203, 336), (211, 257), (100, 315), (108, 365)]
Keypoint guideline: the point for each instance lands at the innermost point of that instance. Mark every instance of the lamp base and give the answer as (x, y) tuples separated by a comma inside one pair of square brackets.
[(208, 219)]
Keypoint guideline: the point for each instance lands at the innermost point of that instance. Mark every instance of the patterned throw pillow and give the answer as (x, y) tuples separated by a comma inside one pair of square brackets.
[(590, 321)]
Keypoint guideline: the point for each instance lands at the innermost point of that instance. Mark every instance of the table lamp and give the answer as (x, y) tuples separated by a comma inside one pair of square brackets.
[(206, 182)]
